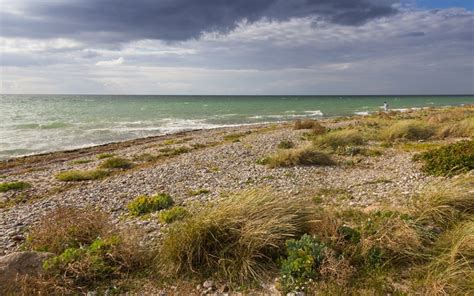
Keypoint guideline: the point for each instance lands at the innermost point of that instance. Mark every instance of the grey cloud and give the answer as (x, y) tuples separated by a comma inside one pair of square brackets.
[(113, 21)]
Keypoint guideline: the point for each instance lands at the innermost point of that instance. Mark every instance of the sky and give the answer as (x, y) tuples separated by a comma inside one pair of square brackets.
[(237, 47)]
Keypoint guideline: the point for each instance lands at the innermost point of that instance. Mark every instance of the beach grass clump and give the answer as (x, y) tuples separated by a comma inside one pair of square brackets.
[(67, 227), (451, 271), (286, 144), (463, 128), (340, 138), (117, 163), (81, 175), (173, 214), (306, 124), (87, 250), (146, 157), (356, 150), (167, 151), (81, 161), (237, 240), (16, 186), (105, 155), (447, 160), (199, 191), (144, 204), (447, 203), (307, 155), (408, 130)]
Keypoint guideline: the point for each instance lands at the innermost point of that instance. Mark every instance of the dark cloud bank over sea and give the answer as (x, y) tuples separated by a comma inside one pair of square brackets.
[(173, 20)]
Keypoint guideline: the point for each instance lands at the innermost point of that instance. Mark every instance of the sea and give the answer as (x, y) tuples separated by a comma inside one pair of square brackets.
[(32, 124)]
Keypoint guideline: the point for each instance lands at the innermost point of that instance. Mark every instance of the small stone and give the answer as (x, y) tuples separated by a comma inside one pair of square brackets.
[(208, 284)]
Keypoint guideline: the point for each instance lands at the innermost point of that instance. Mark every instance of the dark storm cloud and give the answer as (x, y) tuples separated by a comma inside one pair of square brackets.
[(112, 21)]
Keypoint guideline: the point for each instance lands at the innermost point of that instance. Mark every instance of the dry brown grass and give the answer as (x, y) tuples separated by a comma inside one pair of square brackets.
[(452, 270), (463, 128), (67, 227), (307, 155), (236, 240), (447, 202), (340, 138), (306, 124), (408, 130)]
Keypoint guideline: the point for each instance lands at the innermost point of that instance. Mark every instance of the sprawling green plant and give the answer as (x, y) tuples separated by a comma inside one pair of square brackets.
[(448, 160), (146, 204)]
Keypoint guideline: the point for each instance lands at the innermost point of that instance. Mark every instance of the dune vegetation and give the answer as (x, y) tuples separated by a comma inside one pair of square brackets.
[(313, 238)]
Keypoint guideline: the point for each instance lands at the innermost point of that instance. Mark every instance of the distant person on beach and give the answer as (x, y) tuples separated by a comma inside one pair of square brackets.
[(385, 106)]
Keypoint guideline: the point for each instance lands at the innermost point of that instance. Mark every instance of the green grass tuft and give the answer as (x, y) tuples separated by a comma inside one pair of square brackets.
[(199, 191), (77, 175), (18, 185), (117, 163), (340, 138)]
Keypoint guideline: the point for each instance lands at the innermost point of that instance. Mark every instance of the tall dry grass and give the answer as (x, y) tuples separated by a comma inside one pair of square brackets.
[(237, 240)]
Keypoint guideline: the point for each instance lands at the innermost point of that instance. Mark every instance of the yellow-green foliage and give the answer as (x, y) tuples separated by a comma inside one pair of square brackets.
[(146, 204), (235, 240), (340, 138), (81, 161), (77, 175), (116, 163), (307, 155), (172, 214), (463, 128), (18, 185), (408, 130)]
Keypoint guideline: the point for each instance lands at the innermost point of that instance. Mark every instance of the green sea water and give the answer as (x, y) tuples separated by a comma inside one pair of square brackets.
[(32, 124)]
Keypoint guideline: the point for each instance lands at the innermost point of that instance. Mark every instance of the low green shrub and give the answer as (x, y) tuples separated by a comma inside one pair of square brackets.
[(117, 163), (17, 185), (172, 214), (408, 130), (78, 175), (234, 137), (448, 160), (237, 239), (307, 155), (286, 144), (301, 265), (146, 204), (340, 138)]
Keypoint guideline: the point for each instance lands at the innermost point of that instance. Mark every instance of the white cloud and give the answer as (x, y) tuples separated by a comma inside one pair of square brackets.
[(116, 62)]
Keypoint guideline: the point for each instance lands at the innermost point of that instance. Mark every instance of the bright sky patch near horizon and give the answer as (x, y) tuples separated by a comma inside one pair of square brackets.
[(305, 47)]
